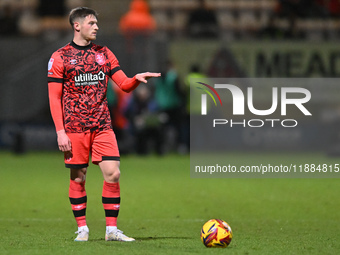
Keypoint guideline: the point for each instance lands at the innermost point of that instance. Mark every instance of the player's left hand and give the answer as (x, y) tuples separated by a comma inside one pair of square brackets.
[(143, 77)]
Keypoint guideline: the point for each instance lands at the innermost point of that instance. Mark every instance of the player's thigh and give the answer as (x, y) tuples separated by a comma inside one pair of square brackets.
[(105, 147), (110, 170), (81, 146)]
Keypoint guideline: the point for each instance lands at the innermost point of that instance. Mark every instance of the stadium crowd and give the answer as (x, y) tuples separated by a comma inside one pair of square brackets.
[(157, 114)]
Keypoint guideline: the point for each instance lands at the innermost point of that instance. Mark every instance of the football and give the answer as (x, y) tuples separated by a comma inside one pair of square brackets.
[(216, 233)]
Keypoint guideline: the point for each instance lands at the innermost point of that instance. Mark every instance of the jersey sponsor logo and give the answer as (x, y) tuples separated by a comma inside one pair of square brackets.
[(88, 79), (50, 64), (100, 59)]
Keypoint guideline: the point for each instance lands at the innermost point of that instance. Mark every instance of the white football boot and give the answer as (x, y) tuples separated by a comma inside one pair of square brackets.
[(117, 235), (83, 234)]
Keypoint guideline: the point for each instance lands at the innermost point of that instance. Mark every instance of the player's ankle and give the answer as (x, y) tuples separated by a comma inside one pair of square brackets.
[(110, 229)]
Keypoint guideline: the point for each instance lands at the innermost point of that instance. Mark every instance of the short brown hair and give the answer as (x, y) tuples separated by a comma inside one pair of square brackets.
[(81, 13)]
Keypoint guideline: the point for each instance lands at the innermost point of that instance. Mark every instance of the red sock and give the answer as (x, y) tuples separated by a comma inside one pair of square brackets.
[(111, 202), (78, 201)]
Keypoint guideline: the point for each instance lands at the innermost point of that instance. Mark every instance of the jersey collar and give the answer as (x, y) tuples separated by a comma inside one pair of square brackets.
[(81, 47)]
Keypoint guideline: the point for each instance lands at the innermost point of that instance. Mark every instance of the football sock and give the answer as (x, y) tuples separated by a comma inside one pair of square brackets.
[(78, 199), (111, 202)]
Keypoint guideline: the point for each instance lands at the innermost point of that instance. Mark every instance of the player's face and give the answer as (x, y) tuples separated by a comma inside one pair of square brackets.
[(89, 28)]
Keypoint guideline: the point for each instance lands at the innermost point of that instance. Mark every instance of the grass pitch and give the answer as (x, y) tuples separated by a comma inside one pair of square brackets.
[(164, 209)]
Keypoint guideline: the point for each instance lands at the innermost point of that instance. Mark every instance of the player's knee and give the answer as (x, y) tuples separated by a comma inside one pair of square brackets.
[(79, 179), (78, 175), (114, 175)]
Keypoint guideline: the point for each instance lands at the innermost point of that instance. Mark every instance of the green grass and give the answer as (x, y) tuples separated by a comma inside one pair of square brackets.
[(164, 209)]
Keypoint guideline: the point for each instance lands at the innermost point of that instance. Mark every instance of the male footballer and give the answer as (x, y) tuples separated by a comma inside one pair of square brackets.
[(78, 76)]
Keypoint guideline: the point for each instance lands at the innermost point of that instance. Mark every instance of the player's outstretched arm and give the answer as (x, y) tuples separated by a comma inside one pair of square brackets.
[(128, 84), (143, 77)]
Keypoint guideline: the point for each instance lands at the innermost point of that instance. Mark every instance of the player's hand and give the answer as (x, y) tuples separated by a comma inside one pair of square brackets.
[(64, 141), (143, 77)]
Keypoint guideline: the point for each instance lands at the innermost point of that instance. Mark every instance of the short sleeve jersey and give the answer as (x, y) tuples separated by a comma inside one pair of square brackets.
[(84, 72)]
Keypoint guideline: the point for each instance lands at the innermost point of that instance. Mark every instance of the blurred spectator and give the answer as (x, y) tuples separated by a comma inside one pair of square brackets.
[(169, 99), (272, 29), (193, 110), (137, 27), (145, 121), (8, 20), (333, 8), (196, 74), (300, 9), (118, 102), (138, 19), (293, 32), (202, 22), (275, 32)]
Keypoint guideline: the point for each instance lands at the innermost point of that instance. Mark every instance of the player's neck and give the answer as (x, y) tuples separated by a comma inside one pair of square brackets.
[(80, 41)]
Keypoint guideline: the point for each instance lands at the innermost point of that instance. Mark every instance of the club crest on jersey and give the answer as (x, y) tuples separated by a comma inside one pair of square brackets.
[(50, 64), (73, 61), (100, 59)]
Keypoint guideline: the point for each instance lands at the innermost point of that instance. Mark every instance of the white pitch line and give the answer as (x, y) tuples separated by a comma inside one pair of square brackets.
[(32, 219)]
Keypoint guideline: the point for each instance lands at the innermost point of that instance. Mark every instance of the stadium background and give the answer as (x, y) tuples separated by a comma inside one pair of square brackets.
[(163, 207), (244, 46)]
